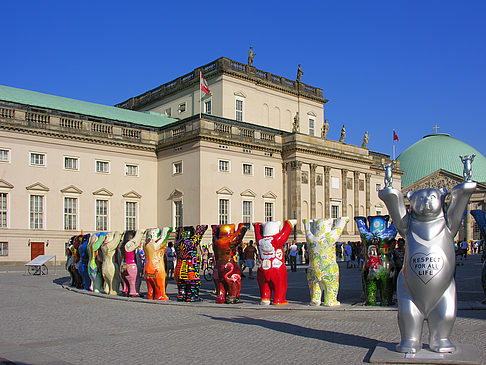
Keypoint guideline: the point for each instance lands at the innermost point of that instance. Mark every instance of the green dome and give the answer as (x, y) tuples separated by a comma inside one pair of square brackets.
[(439, 151)]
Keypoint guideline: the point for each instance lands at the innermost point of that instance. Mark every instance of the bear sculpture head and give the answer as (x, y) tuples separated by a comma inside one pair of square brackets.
[(426, 204)]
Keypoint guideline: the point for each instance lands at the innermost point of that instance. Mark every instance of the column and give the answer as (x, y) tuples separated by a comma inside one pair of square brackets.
[(312, 177), (285, 208), (295, 192), (344, 204), (368, 199), (356, 197), (327, 191), (467, 224)]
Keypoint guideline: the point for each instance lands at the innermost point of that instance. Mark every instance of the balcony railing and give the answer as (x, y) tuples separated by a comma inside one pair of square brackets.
[(41, 119), (71, 123), (7, 113)]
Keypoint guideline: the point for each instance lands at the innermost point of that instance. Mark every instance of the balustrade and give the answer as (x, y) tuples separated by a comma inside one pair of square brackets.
[(71, 123), (7, 113)]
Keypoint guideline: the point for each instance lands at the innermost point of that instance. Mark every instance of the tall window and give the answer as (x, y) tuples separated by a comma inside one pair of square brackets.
[(37, 159), (334, 211), (71, 163), (247, 211), (247, 169), (177, 168), (268, 171), (131, 170), (239, 110), (3, 248), (268, 211), (101, 215), (311, 126), (178, 213), (223, 165), (3, 210), (70, 213), (103, 166), (36, 212), (130, 216), (223, 211), (207, 107), (4, 155)]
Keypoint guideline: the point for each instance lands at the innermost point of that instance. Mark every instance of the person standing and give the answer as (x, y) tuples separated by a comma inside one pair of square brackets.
[(348, 250), (464, 248), (249, 254), (170, 260), (293, 256)]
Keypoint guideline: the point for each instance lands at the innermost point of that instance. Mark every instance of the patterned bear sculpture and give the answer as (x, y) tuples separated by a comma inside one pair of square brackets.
[(186, 272), (323, 272), (131, 267), (95, 262), (154, 271), (227, 273), (378, 269), (481, 221), (73, 261), (272, 274), (111, 264), (84, 261)]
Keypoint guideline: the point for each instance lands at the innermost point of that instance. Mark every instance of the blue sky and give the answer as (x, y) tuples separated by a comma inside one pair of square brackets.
[(383, 65)]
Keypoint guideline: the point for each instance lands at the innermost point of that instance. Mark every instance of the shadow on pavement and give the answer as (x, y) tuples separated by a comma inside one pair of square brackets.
[(61, 280)]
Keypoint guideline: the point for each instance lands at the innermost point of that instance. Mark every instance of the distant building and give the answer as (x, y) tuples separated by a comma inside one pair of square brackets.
[(255, 154)]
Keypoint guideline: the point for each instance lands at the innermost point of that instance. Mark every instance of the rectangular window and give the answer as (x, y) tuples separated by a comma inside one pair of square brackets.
[(223, 211), (71, 163), (207, 107), (130, 216), (131, 170), (334, 211), (70, 213), (168, 112), (268, 212), (311, 126), (239, 110), (178, 213), (36, 212), (247, 211), (4, 155), (3, 210), (247, 169), (3, 248), (223, 165), (37, 159), (101, 215), (177, 168), (182, 107), (378, 187), (335, 182), (103, 166), (269, 172)]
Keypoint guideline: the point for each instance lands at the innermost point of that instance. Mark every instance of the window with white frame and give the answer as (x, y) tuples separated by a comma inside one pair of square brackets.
[(312, 126), (247, 169), (268, 211), (4, 155), (102, 166), (177, 168), (37, 159), (247, 211), (223, 166), (223, 211), (130, 216), (182, 107), (3, 210), (3, 248), (70, 213), (36, 212), (178, 214), (334, 211), (71, 163), (101, 215), (378, 187), (269, 171), (207, 107), (335, 182), (131, 170), (239, 110)]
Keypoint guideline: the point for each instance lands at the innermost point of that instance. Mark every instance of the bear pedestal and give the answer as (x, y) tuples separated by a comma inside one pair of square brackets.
[(323, 272), (227, 273)]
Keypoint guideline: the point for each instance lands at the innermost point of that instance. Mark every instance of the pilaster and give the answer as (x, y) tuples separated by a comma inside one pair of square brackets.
[(356, 197), (344, 207), (312, 177), (327, 191), (295, 193), (368, 197)]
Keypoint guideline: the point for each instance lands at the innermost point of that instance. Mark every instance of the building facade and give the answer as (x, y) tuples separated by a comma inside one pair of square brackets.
[(256, 153)]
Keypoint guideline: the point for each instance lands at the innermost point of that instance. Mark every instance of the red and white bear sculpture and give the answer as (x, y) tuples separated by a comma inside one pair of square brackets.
[(272, 274)]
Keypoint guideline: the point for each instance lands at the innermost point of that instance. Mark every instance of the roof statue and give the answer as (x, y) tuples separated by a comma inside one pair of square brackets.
[(366, 138), (343, 134), (299, 73), (325, 129), (251, 56)]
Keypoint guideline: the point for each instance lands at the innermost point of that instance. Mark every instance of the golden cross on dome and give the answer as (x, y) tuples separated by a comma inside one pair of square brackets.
[(435, 128)]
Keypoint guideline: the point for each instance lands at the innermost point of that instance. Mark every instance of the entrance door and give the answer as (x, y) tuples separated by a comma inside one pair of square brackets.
[(36, 249)]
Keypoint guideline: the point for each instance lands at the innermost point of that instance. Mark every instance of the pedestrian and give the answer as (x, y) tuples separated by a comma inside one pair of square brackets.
[(241, 260), (293, 256), (301, 254), (170, 260), (249, 254), (464, 248), (348, 250)]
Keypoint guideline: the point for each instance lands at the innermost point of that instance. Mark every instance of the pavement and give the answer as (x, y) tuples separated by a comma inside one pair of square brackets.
[(43, 322)]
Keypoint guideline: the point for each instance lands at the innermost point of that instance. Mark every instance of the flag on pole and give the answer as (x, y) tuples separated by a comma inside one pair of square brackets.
[(395, 137), (204, 84)]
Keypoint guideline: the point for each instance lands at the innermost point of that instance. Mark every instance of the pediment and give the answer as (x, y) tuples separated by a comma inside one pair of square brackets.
[(37, 187), (71, 189), (224, 191), (240, 94), (436, 180), (248, 193), (269, 195), (103, 192), (312, 114), (176, 194), (132, 194), (5, 185)]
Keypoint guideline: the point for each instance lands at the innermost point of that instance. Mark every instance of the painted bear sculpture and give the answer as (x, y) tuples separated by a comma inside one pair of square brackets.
[(426, 289), (481, 221), (111, 263), (73, 261), (272, 274), (131, 267), (154, 271), (323, 271), (186, 273), (227, 273), (84, 261), (378, 271), (95, 261)]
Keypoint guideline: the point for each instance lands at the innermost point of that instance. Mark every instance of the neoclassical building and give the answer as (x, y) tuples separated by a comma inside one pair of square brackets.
[(257, 151)]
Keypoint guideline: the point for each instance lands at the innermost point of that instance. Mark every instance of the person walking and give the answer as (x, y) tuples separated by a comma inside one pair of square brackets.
[(170, 260), (249, 254), (293, 256)]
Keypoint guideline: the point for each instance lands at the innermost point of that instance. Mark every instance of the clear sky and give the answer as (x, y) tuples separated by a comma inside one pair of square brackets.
[(383, 65)]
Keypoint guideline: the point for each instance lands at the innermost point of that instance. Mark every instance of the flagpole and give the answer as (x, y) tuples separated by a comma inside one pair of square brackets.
[(200, 75)]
